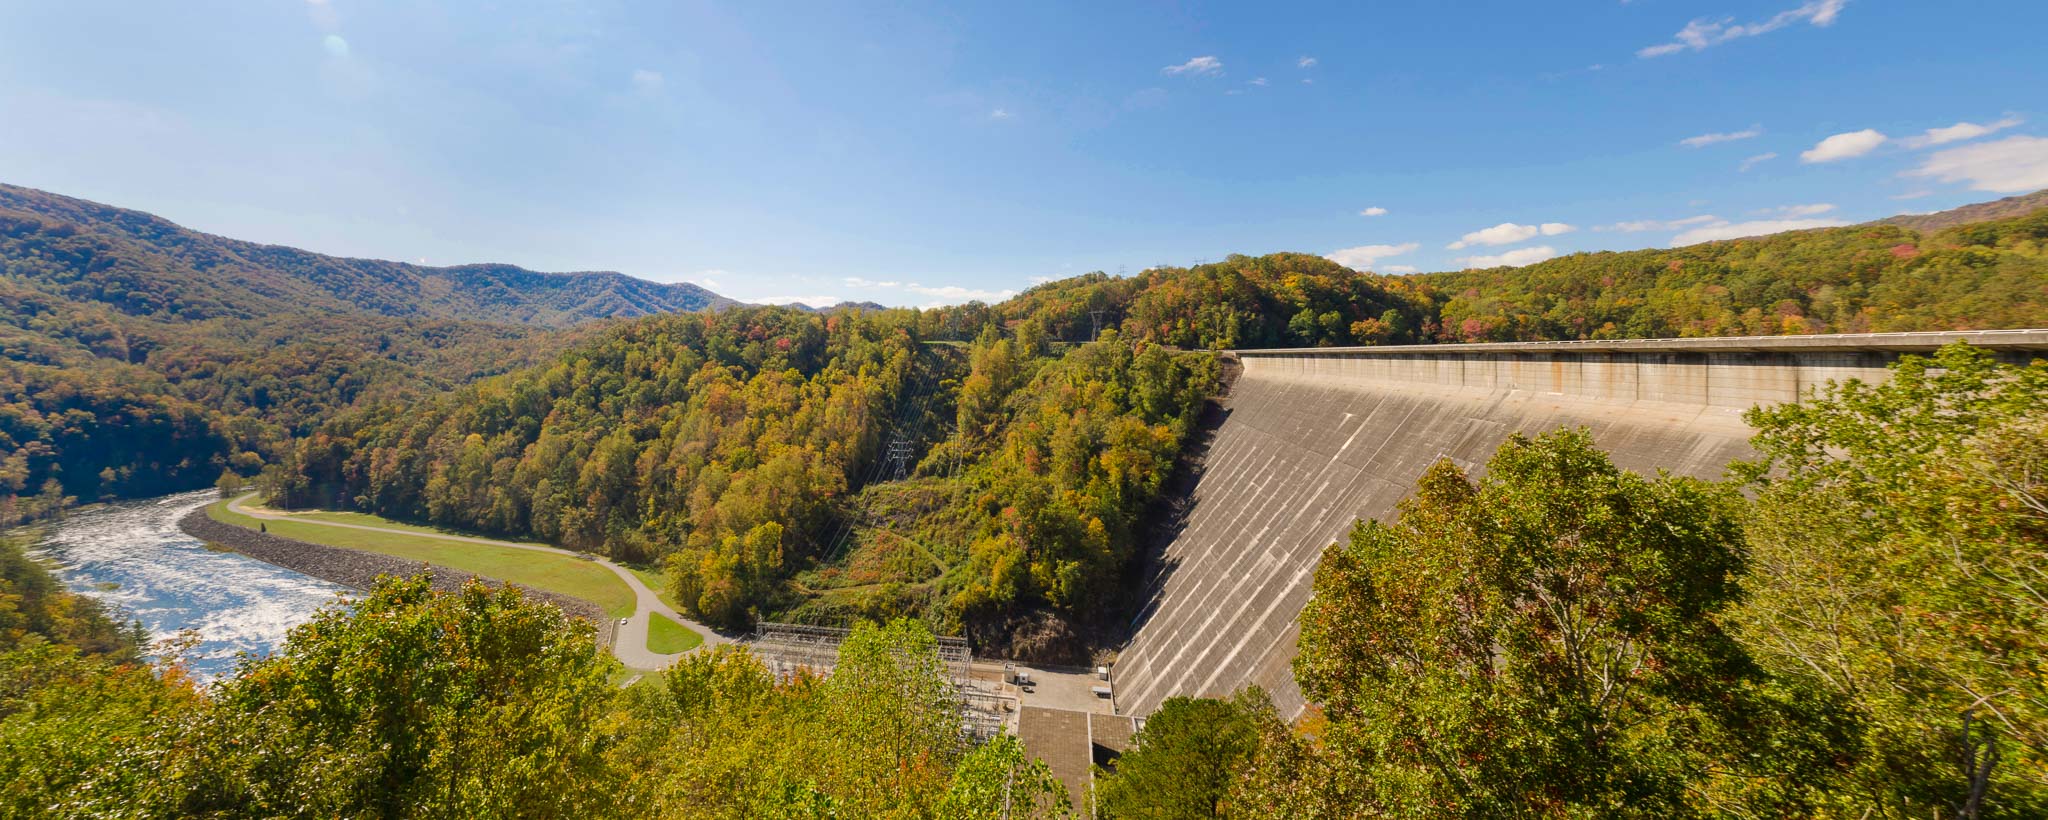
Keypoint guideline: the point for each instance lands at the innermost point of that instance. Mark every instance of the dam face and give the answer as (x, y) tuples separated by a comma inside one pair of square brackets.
[(1315, 439)]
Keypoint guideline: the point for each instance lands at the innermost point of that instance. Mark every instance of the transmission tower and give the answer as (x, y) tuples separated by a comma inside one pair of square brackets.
[(899, 458), (1095, 316)]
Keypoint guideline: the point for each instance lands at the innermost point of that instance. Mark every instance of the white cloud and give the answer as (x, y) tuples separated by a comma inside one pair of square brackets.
[(1913, 194), (857, 282), (1196, 67), (1259, 81), (1702, 33), (1705, 140), (1364, 256), (1760, 227), (1000, 114), (1513, 259), (1508, 233), (1797, 211), (1958, 132), (335, 45), (1752, 162), (959, 294), (1844, 146), (1399, 269), (813, 301), (1306, 62), (1640, 225), (2010, 165), (1373, 211), (647, 82)]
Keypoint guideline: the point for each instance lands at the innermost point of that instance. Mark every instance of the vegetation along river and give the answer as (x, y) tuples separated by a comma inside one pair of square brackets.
[(131, 555)]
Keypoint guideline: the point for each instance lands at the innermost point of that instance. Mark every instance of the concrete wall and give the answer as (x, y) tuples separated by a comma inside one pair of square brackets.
[(1314, 440)]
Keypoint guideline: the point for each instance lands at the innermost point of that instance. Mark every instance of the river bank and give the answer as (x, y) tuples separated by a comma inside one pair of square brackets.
[(356, 569)]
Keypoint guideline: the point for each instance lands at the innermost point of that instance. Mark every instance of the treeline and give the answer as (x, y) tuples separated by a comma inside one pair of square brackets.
[(1865, 278), (1852, 626), (725, 447), (482, 703)]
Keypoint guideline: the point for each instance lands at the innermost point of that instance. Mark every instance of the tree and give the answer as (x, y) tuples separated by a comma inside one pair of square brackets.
[(1899, 549), (1186, 758), (999, 779), (1543, 642), (411, 702)]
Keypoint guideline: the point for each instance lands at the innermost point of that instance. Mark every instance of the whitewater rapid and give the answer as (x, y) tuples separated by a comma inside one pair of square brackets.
[(132, 556)]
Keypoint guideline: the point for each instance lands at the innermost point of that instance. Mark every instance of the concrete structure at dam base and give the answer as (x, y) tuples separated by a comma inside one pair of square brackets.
[(1311, 440)]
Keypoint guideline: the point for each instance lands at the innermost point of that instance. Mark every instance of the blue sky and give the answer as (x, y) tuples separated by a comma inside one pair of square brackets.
[(918, 153)]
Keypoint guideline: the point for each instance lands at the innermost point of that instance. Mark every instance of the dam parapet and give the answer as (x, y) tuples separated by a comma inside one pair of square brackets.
[(1315, 439)]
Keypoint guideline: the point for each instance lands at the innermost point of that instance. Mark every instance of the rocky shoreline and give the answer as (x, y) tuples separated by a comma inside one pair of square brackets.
[(357, 569)]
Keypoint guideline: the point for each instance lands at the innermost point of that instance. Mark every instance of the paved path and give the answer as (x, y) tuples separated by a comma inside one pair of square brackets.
[(630, 644)]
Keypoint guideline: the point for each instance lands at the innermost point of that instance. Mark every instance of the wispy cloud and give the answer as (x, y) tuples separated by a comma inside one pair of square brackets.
[(1641, 225), (1759, 227), (1703, 33), (2010, 165), (1913, 194), (1513, 259), (1959, 132), (1373, 211), (1306, 62), (857, 282), (1000, 114), (1508, 233), (1258, 81), (1206, 66), (1844, 146), (1705, 140), (813, 301), (647, 82), (1759, 159), (1796, 211), (1364, 257), (955, 293)]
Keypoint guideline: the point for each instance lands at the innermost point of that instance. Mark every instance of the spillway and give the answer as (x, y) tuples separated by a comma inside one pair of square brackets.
[(1313, 440)]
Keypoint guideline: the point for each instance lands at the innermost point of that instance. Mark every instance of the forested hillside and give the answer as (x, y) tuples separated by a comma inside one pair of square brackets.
[(1865, 278), (729, 447), (142, 265), (138, 357)]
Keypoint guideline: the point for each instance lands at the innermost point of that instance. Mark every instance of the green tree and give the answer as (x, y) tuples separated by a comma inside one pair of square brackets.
[(1900, 558), (415, 703), (1186, 759), (1545, 642)]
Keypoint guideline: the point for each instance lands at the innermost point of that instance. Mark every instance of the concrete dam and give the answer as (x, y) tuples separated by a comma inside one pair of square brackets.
[(1314, 439)]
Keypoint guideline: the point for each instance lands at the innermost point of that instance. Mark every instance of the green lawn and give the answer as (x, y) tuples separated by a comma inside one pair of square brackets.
[(574, 577), (666, 637)]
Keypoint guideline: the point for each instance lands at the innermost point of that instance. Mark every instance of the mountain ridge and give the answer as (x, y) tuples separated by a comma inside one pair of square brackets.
[(109, 243)]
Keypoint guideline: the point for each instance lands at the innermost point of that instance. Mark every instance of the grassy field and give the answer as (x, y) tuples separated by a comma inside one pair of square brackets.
[(563, 574), (666, 637)]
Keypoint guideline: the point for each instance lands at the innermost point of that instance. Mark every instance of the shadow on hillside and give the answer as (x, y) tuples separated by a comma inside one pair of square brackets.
[(1167, 520)]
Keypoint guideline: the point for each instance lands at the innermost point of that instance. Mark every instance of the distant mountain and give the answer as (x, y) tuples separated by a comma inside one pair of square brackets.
[(143, 265), (2006, 208)]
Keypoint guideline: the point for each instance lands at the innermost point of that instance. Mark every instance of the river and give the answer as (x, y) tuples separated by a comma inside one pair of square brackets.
[(131, 555)]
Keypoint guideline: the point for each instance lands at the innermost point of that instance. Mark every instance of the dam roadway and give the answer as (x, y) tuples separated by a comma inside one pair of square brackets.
[(1313, 439)]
